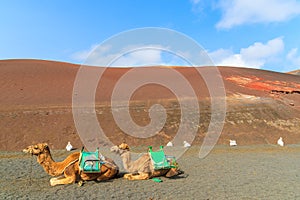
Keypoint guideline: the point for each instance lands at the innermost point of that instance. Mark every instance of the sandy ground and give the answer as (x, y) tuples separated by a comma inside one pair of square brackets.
[(243, 172)]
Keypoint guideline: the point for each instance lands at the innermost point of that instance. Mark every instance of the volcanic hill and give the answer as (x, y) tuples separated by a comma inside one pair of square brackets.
[(36, 105)]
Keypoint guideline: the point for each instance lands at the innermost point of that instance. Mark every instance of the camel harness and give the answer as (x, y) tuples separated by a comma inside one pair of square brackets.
[(160, 160), (91, 162)]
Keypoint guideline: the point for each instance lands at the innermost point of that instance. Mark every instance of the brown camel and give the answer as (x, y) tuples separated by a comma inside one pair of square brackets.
[(69, 168), (142, 168)]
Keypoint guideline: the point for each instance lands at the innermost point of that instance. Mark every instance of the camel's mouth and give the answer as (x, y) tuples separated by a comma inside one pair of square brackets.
[(114, 149), (27, 151)]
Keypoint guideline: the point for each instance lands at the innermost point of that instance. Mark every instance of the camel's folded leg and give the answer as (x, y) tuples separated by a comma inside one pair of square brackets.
[(173, 172), (110, 173), (62, 181), (140, 176)]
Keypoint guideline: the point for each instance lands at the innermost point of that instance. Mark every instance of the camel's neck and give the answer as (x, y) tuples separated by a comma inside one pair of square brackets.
[(126, 157), (49, 165)]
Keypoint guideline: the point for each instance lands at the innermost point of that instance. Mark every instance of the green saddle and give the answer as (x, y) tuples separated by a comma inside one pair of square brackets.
[(90, 162), (160, 160)]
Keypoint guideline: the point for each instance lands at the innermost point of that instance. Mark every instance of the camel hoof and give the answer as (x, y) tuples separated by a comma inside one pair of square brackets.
[(80, 183), (52, 182), (127, 176)]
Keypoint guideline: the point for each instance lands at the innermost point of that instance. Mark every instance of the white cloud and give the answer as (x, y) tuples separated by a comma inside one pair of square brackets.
[(238, 12), (133, 55), (293, 57), (254, 56), (140, 57), (94, 55)]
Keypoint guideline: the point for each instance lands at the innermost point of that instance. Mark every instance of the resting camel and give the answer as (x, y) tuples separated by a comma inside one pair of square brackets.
[(142, 168), (69, 168)]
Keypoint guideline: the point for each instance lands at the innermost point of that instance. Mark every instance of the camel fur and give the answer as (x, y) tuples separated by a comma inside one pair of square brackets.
[(142, 168), (69, 168)]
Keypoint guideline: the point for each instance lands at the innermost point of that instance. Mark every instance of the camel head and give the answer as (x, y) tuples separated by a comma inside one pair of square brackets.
[(120, 149), (37, 149)]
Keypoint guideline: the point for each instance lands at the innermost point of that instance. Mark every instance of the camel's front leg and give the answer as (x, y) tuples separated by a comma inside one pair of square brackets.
[(62, 180), (139, 176)]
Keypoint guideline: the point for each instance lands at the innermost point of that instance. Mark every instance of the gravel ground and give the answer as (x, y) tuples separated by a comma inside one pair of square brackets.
[(243, 172)]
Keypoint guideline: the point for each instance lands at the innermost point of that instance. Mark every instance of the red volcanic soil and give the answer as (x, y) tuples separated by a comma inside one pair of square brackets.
[(260, 84), (36, 103)]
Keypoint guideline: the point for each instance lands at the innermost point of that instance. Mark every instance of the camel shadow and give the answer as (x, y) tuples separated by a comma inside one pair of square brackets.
[(181, 176), (120, 175), (103, 181)]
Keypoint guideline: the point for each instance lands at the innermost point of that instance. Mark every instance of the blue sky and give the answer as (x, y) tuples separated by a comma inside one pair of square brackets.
[(259, 34)]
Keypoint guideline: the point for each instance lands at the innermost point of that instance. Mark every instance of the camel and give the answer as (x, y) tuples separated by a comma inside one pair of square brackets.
[(68, 170), (142, 168)]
